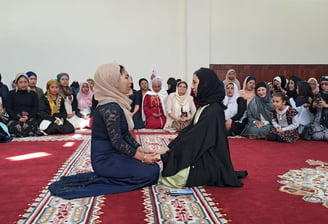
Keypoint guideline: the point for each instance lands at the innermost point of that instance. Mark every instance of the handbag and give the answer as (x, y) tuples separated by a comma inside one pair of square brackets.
[(179, 125)]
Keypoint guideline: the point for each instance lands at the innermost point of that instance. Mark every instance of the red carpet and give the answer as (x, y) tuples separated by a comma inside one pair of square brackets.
[(260, 200), (23, 179)]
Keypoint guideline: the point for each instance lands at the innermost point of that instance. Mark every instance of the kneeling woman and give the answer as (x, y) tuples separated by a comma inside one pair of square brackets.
[(120, 164), (53, 113), (200, 155)]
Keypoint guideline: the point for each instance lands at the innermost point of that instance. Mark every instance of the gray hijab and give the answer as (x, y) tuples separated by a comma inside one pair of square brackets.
[(259, 105)]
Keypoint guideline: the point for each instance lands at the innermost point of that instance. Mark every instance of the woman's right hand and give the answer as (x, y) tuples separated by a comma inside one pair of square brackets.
[(149, 158), (259, 124)]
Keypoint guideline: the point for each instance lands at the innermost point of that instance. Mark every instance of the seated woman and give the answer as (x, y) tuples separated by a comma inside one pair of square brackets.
[(292, 87), (91, 83), (235, 114), (84, 102), (4, 132), (180, 108), (171, 85), (33, 79), (71, 105), (319, 128), (200, 155), (284, 120), (52, 112), (302, 104), (120, 164), (153, 106), (3, 91), (314, 85), (248, 92), (231, 77), (135, 107), (22, 106), (258, 113)]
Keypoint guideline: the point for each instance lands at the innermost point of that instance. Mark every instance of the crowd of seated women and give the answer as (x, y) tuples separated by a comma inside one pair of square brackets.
[(27, 110), (283, 110)]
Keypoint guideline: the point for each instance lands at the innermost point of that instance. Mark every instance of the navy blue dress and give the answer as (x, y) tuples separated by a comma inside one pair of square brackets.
[(112, 151)]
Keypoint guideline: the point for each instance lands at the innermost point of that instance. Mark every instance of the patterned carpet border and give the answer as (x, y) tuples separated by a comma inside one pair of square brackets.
[(71, 137), (161, 207), (310, 183), (48, 209), (151, 131)]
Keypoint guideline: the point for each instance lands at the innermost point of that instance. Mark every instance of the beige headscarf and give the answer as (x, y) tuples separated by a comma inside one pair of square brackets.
[(247, 95), (106, 89), (227, 80)]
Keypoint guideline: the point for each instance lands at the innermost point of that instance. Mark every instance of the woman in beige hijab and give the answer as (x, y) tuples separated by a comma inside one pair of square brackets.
[(180, 108), (248, 90), (119, 162), (231, 77)]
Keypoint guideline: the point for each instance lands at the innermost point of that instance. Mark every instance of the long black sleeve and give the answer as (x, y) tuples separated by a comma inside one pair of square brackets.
[(242, 106)]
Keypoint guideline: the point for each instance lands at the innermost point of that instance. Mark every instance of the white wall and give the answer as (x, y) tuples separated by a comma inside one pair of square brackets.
[(76, 36), (175, 37), (269, 32)]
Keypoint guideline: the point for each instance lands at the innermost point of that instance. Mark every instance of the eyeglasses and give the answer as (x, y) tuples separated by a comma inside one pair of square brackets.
[(324, 84)]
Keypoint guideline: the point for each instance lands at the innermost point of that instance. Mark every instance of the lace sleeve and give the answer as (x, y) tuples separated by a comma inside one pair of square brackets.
[(129, 138), (112, 117)]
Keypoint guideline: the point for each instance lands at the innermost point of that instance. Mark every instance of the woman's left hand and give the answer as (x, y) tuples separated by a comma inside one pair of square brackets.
[(228, 124)]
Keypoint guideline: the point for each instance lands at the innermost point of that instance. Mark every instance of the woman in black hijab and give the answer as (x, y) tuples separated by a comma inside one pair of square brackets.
[(200, 155)]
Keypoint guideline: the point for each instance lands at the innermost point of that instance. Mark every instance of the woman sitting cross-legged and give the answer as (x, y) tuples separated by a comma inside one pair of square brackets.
[(235, 113), (302, 104), (52, 111), (84, 102), (70, 100), (180, 108), (4, 133), (319, 127), (22, 106), (258, 113), (153, 106)]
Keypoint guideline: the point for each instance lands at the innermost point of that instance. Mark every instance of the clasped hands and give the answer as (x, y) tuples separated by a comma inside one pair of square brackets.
[(149, 156), (259, 124)]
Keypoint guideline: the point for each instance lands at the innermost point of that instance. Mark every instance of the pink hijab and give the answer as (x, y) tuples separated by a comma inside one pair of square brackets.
[(106, 89), (84, 99)]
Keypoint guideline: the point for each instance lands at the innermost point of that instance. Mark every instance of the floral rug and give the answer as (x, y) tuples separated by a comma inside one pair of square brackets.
[(310, 183), (161, 207), (158, 205), (198, 208)]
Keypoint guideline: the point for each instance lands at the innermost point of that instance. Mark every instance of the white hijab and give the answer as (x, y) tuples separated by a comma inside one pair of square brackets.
[(162, 97), (231, 102)]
